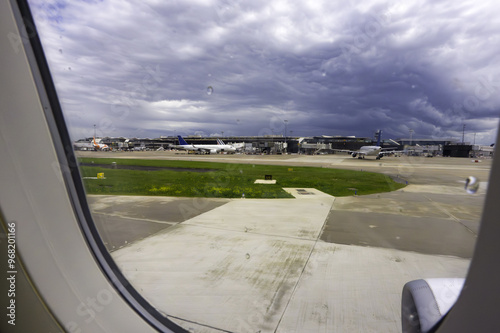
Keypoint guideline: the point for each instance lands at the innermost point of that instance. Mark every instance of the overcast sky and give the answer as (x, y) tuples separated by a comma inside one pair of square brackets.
[(152, 68)]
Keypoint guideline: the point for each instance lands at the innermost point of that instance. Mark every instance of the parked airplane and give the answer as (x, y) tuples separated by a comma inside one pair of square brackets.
[(210, 149), (91, 145), (100, 146), (376, 150)]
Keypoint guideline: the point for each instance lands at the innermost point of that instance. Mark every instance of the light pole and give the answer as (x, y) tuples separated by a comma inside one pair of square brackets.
[(272, 141), (463, 134), (286, 122), (411, 136)]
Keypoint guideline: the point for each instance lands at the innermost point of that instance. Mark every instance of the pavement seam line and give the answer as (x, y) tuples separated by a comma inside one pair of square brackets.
[(136, 218), (453, 217), (303, 269)]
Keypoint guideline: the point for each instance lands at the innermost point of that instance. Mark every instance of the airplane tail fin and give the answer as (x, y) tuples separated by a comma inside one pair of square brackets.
[(220, 142), (182, 142), (379, 136)]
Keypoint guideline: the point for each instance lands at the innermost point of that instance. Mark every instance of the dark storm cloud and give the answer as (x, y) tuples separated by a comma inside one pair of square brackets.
[(348, 68)]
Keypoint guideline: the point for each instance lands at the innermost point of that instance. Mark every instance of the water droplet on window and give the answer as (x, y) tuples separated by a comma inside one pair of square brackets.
[(210, 90), (471, 185)]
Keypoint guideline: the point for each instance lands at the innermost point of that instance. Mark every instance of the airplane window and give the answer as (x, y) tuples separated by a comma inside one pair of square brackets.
[(272, 166)]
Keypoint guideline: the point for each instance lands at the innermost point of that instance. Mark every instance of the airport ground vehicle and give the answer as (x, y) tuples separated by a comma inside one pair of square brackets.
[(64, 280)]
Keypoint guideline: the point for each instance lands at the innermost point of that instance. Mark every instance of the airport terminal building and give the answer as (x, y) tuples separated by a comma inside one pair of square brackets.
[(278, 144)]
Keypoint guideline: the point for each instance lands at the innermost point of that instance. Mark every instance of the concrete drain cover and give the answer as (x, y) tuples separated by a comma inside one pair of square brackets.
[(301, 191)]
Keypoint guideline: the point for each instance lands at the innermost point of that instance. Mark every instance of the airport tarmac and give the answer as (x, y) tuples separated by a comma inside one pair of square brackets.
[(310, 264)]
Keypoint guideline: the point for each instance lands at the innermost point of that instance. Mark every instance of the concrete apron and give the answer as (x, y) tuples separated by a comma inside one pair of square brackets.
[(257, 265)]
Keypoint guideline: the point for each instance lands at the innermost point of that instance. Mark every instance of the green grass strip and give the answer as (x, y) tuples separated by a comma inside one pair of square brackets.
[(226, 180)]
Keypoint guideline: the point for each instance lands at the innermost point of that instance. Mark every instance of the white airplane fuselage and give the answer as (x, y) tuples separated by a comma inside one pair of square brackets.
[(368, 151), (211, 149)]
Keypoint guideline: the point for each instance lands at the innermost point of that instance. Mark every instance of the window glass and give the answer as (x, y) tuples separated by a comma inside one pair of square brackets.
[(272, 166)]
